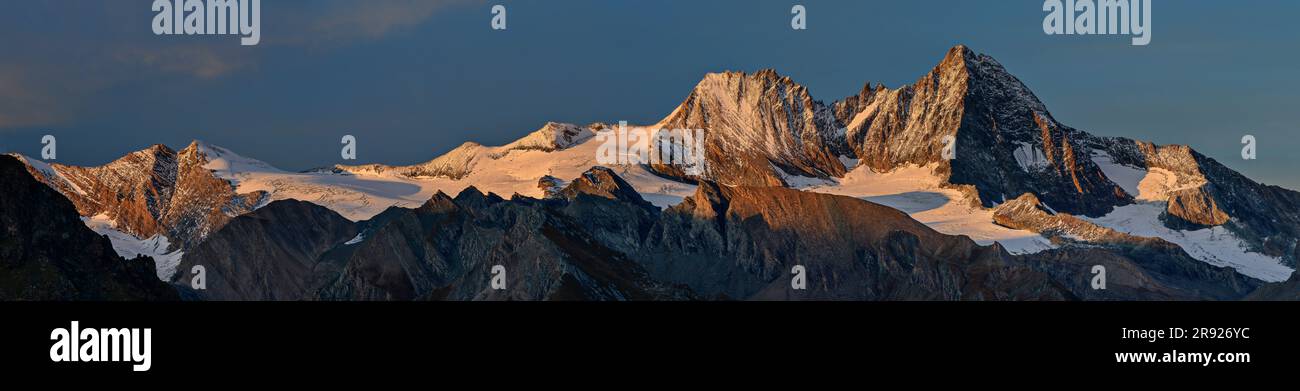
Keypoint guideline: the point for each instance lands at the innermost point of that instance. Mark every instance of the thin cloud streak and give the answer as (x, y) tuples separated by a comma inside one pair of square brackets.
[(341, 22), (42, 87)]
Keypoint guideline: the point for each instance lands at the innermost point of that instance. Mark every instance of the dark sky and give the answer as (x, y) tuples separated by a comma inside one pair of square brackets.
[(414, 78)]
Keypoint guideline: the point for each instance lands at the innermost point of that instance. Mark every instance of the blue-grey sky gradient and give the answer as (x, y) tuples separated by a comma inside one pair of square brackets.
[(415, 78)]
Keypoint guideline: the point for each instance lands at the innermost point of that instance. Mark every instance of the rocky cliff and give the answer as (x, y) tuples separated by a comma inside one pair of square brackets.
[(154, 191), (47, 253)]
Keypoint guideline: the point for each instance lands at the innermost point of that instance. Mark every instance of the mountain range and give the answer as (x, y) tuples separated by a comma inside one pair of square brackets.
[(858, 192)]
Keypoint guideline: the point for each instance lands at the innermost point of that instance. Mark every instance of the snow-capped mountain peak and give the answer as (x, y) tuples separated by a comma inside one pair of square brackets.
[(764, 129), (756, 126), (553, 136), (225, 163), (151, 192)]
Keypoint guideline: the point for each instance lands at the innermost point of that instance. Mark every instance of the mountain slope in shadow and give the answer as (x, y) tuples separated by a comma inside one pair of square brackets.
[(596, 239), (48, 253)]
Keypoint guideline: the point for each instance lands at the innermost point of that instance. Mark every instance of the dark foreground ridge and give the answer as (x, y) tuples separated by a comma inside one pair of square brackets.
[(48, 253)]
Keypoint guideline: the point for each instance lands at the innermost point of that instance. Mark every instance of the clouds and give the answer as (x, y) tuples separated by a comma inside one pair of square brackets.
[(204, 62), (336, 22), (56, 56), (23, 104)]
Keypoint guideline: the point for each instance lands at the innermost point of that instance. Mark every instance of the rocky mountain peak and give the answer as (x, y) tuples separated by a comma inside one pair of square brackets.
[(194, 149), (552, 137), (1003, 140), (47, 253), (455, 164), (439, 203), (737, 80), (957, 58), (602, 182), (194, 145), (150, 159), (849, 107), (151, 192), (759, 128), (1026, 203), (983, 75), (551, 187), (156, 150), (707, 203), (908, 125), (471, 197), (763, 128)]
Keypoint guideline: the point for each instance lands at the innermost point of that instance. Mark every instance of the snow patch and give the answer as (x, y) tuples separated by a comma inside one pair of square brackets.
[(915, 190), (1030, 157), (364, 191), (552, 136), (1216, 246), (360, 237), (1157, 185), (1150, 185), (128, 246), (229, 165), (50, 173), (799, 181), (865, 114), (1127, 177), (849, 162)]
